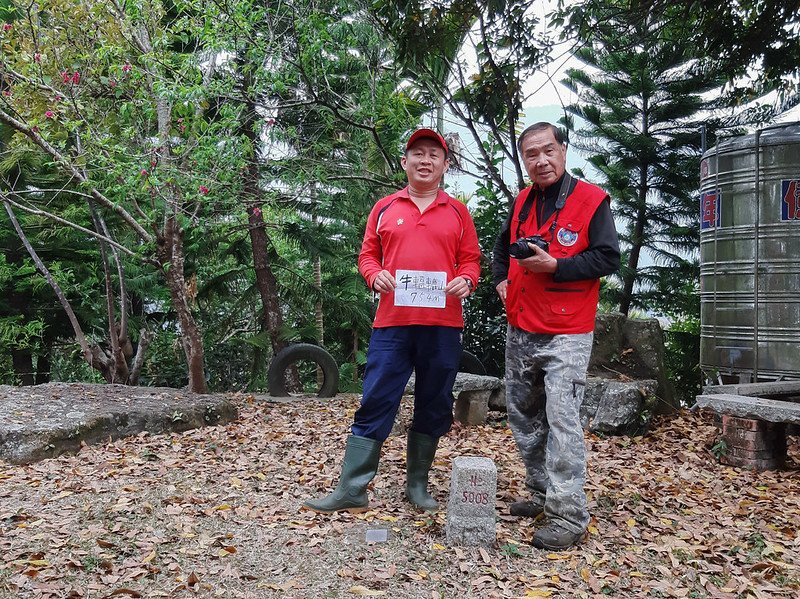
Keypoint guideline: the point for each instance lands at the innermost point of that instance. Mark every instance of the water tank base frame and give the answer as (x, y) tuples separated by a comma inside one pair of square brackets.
[(713, 375)]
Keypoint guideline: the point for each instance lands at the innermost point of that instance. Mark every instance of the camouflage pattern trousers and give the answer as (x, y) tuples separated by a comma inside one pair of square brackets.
[(545, 381)]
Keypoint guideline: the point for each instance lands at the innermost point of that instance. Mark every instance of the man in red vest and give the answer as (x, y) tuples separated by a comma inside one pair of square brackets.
[(420, 253), (556, 243)]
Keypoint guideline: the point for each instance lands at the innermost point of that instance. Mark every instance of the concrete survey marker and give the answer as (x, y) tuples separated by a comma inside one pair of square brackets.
[(471, 507)]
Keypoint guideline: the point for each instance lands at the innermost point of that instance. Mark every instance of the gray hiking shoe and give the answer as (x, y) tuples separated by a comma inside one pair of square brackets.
[(555, 537), (526, 509)]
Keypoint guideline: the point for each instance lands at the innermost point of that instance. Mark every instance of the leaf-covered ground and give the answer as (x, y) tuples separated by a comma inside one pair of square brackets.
[(214, 513)]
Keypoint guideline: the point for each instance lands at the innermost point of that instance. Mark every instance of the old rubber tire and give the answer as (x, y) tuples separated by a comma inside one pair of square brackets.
[(471, 364), (295, 353)]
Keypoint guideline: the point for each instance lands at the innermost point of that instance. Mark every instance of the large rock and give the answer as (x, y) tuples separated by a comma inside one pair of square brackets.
[(758, 408), (608, 340), (627, 382), (466, 381), (618, 407), (44, 421), (627, 348)]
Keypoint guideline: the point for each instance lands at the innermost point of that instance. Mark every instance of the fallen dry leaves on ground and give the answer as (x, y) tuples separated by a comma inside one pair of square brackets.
[(214, 513)]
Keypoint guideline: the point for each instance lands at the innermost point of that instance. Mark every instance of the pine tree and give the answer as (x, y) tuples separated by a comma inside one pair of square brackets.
[(640, 110)]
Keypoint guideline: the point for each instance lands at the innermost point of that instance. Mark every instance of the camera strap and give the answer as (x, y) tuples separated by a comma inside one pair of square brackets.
[(525, 211), (561, 201)]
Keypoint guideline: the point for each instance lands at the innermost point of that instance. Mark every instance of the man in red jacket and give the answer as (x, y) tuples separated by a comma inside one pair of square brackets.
[(556, 243), (420, 253)]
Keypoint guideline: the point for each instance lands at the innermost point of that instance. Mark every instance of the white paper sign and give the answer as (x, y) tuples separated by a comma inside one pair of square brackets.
[(420, 288)]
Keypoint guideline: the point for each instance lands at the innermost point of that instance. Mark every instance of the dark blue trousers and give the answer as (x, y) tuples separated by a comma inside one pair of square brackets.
[(433, 353)]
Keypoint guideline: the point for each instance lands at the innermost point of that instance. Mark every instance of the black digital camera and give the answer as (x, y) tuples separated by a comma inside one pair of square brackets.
[(520, 249)]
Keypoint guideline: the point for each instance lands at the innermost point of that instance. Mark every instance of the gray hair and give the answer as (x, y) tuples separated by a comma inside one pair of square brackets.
[(558, 133)]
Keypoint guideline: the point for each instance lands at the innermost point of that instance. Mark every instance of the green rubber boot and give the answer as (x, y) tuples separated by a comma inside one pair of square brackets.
[(419, 458), (360, 464)]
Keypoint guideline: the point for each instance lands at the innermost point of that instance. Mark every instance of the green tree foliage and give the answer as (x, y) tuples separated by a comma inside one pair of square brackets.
[(31, 320), (484, 313), (192, 126), (230, 153), (753, 44), (99, 89), (682, 358), (341, 124), (472, 58), (322, 129), (756, 43), (641, 97)]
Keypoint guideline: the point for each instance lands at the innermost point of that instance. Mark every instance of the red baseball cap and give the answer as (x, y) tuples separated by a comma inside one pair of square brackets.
[(427, 134)]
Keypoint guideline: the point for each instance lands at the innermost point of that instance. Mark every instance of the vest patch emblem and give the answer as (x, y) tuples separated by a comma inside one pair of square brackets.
[(399, 221), (566, 237)]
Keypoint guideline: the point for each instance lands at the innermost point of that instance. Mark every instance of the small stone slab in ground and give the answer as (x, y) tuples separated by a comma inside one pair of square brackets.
[(471, 507), (43, 421), (376, 535)]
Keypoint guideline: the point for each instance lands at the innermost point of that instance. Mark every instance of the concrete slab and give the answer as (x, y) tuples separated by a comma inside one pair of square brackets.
[(44, 421), (771, 410), (788, 390)]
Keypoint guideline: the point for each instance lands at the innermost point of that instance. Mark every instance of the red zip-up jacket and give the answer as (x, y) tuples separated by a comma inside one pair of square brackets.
[(441, 239)]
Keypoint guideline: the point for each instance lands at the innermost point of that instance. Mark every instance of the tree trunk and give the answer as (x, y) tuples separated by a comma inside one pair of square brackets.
[(267, 284), (121, 346), (145, 338), (637, 238), (630, 276), (118, 364), (172, 259), (170, 254), (318, 314), (271, 319)]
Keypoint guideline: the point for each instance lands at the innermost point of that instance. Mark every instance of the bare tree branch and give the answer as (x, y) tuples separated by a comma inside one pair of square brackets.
[(58, 219), (88, 354), (67, 166), (145, 338)]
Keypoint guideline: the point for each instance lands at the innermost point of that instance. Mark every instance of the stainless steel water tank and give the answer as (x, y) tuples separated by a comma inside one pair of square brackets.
[(750, 256)]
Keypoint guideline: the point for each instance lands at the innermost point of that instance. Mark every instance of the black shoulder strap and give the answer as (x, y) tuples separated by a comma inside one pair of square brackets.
[(566, 189), (525, 212)]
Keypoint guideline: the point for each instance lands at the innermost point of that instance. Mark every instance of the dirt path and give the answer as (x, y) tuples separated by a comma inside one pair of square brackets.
[(214, 513)]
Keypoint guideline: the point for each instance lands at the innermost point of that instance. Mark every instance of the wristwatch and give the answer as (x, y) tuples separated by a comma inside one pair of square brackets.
[(469, 284)]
